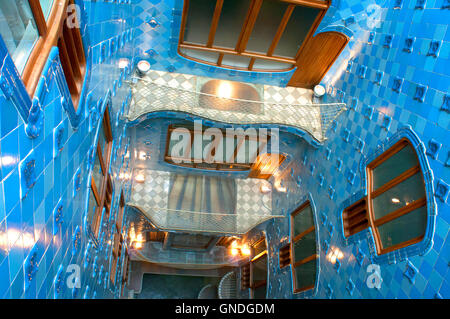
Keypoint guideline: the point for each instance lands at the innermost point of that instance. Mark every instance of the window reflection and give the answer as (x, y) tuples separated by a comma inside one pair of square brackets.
[(18, 30)]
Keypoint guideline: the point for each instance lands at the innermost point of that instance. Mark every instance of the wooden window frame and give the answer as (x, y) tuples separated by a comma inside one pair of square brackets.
[(371, 194), (227, 166), (54, 32), (116, 253), (125, 272), (253, 285), (247, 28), (103, 192), (119, 220), (295, 239), (284, 255)]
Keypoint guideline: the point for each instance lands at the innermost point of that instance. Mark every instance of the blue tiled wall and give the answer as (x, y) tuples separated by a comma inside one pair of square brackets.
[(394, 72), (380, 49), (45, 232), (158, 25)]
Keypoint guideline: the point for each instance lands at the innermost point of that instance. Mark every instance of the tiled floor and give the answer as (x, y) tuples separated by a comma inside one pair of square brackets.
[(174, 287)]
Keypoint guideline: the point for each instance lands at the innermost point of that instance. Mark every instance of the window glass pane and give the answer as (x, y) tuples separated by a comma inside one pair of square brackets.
[(305, 274), (211, 57), (97, 174), (403, 194), (406, 227), (236, 61), (296, 31), (18, 30), (394, 166), (266, 25), (260, 292), (102, 141), (305, 247), (231, 20), (92, 207), (261, 64), (260, 269), (46, 6), (303, 220), (198, 21)]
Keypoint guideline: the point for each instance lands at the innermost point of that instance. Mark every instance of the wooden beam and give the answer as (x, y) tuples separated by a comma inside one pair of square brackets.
[(247, 28), (281, 28), (214, 23), (232, 52), (310, 3)]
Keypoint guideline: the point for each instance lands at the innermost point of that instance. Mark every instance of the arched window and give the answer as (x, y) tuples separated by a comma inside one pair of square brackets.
[(395, 206), (303, 256), (30, 28)]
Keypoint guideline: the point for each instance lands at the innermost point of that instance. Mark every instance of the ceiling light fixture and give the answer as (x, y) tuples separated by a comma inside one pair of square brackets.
[(224, 90)]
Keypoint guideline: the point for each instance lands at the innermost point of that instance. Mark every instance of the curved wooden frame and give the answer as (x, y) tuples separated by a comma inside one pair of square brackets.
[(247, 28), (364, 206), (295, 239), (371, 194), (54, 32)]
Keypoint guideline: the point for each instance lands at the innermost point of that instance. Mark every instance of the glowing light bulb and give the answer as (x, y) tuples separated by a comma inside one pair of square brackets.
[(395, 200), (140, 178), (224, 90), (265, 188), (123, 63), (234, 251), (245, 250)]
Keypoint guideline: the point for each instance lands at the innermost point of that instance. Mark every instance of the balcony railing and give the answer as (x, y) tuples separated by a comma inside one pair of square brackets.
[(149, 97), (181, 220)]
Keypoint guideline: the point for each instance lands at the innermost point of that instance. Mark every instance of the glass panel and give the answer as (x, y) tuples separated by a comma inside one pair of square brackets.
[(406, 227), (236, 61), (18, 30), (261, 64), (259, 247), (198, 21), (259, 268), (394, 166), (231, 20), (92, 207), (211, 57), (46, 6), (296, 31), (266, 25), (260, 292), (102, 141), (305, 275), (399, 196), (305, 247), (97, 174), (303, 220)]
